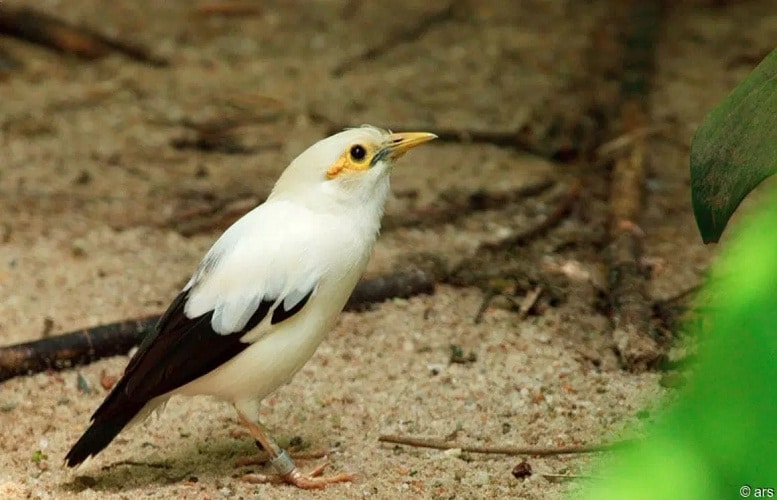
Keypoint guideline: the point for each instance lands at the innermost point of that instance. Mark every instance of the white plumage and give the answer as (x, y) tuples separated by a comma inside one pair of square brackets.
[(320, 255), (265, 294)]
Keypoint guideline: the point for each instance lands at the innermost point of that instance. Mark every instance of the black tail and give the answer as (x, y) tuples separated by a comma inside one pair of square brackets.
[(107, 422)]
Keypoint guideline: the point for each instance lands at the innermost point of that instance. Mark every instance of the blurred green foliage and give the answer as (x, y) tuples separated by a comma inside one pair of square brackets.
[(720, 439), (722, 433)]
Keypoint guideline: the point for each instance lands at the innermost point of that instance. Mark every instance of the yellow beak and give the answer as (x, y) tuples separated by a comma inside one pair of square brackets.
[(401, 143)]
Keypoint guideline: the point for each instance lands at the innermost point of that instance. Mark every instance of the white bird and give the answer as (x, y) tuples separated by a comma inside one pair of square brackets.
[(264, 296)]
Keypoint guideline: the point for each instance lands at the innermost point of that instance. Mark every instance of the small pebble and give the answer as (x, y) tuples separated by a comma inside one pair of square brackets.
[(107, 381), (435, 368), (78, 248), (522, 470), (7, 406)]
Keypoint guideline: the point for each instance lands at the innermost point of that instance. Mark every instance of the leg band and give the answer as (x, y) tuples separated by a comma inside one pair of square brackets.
[(283, 464)]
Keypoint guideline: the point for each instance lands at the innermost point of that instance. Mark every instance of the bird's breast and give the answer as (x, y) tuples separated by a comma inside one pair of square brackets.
[(278, 354)]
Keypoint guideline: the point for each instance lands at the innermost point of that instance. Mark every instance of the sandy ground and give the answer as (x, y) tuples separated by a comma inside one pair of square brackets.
[(89, 183)]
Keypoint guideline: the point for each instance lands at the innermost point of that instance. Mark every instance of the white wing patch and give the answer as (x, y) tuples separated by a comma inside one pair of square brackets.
[(232, 316), (239, 273), (295, 297)]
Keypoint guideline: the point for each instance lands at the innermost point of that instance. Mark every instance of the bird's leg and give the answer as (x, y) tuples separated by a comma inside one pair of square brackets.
[(263, 457), (284, 465)]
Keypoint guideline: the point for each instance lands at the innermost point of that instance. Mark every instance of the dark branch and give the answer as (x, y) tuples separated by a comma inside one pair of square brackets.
[(631, 307), (90, 344)]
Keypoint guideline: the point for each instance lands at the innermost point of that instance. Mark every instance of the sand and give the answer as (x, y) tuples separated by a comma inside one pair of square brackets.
[(91, 189)]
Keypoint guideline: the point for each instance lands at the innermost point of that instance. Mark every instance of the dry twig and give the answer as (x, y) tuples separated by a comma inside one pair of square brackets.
[(563, 208), (540, 451), (568, 477), (680, 296), (528, 302), (453, 205), (233, 8), (612, 148), (631, 308), (406, 35), (214, 216), (136, 463), (44, 29), (217, 214), (8, 63), (488, 296), (222, 135)]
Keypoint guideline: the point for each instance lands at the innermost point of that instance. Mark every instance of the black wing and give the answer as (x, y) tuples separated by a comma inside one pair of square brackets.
[(179, 350)]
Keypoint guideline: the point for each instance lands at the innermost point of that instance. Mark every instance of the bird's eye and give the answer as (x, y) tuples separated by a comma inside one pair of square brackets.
[(358, 152)]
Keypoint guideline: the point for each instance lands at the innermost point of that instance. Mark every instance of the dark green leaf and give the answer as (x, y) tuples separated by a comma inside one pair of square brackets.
[(735, 149)]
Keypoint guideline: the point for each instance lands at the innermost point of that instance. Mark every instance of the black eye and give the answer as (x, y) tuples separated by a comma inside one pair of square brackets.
[(358, 152)]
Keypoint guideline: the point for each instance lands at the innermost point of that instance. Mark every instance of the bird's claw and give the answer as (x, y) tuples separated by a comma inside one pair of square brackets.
[(315, 472), (310, 481)]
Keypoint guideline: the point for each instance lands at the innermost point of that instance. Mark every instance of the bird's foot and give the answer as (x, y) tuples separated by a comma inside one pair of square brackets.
[(263, 457), (313, 480)]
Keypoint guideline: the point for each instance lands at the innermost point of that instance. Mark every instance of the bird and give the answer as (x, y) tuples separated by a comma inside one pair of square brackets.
[(264, 296)]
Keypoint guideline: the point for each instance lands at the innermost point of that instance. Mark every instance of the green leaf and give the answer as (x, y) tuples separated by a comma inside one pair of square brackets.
[(721, 435), (735, 149)]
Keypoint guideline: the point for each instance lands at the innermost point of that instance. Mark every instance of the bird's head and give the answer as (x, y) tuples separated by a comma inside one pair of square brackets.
[(348, 168)]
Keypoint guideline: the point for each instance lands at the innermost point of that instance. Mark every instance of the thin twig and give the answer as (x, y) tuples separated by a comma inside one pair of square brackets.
[(403, 36), (558, 214), (454, 205), (476, 270), (610, 149), (223, 135), (212, 216), (439, 444), (8, 63), (135, 463), (528, 302), (233, 8), (679, 296), (44, 29), (568, 477), (487, 298)]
